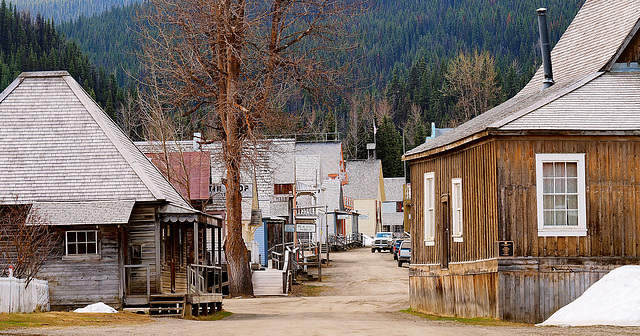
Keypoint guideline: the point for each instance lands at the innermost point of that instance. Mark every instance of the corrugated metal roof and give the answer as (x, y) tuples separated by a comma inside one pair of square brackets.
[(595, 37), (56, 144), (182, 169), (81, 213)]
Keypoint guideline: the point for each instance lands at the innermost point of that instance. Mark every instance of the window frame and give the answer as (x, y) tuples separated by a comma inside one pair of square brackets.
[(66, 243), (562, 230), (429, 222), (457, 212)]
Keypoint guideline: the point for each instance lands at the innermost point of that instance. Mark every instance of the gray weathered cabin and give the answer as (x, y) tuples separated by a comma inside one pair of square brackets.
[(516, 212), (127, 237)]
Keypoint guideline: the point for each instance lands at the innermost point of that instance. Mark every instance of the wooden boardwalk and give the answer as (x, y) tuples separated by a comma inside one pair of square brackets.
[(268, 283)]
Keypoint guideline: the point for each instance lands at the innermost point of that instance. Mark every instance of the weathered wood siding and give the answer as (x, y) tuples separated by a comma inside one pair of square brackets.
[(142, 231), (180, 256), (532, 289), (613, 196), (476, 166), (465, 289), (76, 280)]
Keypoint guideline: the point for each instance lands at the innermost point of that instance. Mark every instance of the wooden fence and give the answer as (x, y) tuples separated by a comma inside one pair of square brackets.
[(15, 298)]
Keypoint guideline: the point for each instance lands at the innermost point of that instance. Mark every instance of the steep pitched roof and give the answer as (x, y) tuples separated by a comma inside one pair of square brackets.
[(393, 188), (58, 145), (364, 179), (596, 37)]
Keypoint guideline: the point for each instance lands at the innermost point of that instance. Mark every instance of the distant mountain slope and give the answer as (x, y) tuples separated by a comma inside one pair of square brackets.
[(33, 44), (66, 10), (107, 39)]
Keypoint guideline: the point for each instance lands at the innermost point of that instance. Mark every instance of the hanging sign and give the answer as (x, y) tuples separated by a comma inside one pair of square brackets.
[(311, 228)]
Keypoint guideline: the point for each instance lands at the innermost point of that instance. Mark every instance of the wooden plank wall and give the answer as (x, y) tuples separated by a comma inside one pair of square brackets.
[(613, 196), (451, 294), (142, 231), (82, 281), (476, 166), (532, 289)]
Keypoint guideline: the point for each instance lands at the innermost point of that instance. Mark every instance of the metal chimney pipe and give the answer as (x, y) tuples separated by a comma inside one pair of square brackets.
[(544, 46)]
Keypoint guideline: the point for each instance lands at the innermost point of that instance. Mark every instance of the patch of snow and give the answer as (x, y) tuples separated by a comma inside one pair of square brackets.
[(96, 308), (612, 300)]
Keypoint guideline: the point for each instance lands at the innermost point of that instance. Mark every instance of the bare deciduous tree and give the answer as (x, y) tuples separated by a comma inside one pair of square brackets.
[(236, 63), (26, 241), (472, 80)]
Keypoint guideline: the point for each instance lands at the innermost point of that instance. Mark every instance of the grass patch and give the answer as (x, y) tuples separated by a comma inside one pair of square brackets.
[(481, 321), (67, 319), (219, 315), (308, 290)]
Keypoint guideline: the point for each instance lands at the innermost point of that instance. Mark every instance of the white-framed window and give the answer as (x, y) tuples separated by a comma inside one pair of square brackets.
[(456, 209), (561, 195), (82, 242), (429, 209)]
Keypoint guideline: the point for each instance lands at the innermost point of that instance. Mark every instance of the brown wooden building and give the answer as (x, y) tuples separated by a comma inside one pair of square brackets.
[(516, 212), (126, 236)]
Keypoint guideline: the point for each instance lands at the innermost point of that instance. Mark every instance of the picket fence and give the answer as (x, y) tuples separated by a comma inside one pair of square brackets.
[(15, 298)]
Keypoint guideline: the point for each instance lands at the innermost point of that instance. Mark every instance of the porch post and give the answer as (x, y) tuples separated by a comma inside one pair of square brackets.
[(195, 255)]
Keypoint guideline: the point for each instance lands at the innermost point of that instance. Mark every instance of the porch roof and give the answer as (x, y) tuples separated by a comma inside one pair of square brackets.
[(81, 213)]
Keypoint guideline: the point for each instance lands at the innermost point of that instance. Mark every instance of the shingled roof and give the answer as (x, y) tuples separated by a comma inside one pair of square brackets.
[(58, 145), (581, 60)]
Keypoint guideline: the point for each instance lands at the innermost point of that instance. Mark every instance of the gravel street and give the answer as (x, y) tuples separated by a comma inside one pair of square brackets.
[(363, 294)]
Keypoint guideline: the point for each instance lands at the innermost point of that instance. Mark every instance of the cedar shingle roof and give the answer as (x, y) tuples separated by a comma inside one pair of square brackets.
[(57, 145), (594, 39), (364, 179)]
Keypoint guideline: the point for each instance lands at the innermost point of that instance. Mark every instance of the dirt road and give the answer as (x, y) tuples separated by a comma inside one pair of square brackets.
[(362, 294)]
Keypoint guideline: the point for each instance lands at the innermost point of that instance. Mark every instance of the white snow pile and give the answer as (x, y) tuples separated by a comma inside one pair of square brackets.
[(613, 300), (96, 308)]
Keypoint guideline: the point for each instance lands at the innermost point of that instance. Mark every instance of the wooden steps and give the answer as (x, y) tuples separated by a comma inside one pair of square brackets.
[(268, 282), (167, 305)]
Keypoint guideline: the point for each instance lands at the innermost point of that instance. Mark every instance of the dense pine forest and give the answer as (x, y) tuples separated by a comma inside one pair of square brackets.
[(66, 10), (33, 44), (408, 68)]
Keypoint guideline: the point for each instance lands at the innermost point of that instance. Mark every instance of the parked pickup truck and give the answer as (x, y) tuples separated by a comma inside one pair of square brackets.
[(382, 241), (404, 253)]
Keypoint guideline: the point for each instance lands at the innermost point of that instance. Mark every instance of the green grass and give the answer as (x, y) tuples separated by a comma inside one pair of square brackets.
[(481, 321), (211, 317)]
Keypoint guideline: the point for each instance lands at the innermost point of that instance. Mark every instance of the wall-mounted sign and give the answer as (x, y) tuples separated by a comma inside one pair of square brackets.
[(219, 190), (311, 228), (343, 217), (406, 192), (505, 248), (289, 228)]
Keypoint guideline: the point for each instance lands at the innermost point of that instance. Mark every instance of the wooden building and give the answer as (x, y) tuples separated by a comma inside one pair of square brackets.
[(519, 210), (126, 236)]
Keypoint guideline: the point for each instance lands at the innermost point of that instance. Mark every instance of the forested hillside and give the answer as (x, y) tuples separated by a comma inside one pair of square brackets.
[(406, 56), (66, 10), (33, 44)]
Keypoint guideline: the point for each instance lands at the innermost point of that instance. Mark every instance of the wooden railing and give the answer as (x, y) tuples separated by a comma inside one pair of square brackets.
[(204, 279), (344, 242), (127, 276)]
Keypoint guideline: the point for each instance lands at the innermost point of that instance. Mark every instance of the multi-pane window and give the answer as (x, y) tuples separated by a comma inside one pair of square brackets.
[(561, 194), (456, 208), (429, 209), (81, 242)]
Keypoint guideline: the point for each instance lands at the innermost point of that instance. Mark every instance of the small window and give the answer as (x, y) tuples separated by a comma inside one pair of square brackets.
[(561, 195), (456, 208), (82, 242), (429, 209)]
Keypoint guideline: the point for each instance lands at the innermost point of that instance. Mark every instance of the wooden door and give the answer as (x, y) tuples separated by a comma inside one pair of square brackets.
[(446, 224)]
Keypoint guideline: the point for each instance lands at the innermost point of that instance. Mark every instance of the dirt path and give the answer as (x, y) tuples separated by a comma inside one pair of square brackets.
[(363, 295)]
